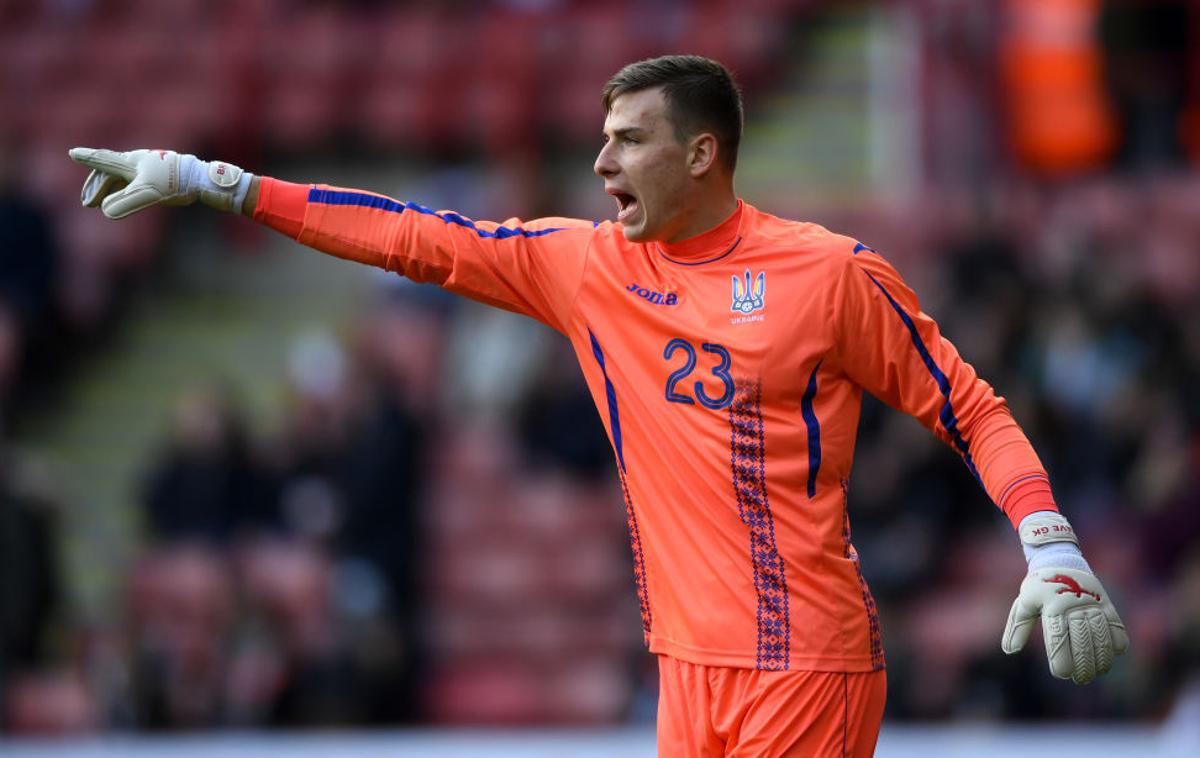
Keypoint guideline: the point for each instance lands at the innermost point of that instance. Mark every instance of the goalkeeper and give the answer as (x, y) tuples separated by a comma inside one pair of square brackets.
[(727, 351)]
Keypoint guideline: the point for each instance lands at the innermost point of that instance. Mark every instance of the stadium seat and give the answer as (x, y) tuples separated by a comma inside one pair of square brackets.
[(590, 690), (495, 692), (49, 703)]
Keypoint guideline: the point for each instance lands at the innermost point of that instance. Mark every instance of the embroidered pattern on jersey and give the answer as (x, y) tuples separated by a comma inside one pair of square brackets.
[(639, 560), (877, 662), (747, 462), (635, 538)]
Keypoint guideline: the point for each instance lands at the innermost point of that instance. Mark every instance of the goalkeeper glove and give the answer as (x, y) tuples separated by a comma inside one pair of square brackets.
[(1082, 630), (124, 183)]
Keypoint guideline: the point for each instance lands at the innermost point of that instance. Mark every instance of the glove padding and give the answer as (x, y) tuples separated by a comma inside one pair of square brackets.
[(1082, 629), (122, 183)]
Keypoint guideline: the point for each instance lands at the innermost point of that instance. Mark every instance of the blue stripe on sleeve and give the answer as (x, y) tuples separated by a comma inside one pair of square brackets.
[(614, 416), (947, 417), (814, 430), (337, 197)]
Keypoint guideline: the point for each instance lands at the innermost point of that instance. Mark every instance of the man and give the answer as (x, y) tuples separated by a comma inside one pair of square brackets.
[(727, 351)]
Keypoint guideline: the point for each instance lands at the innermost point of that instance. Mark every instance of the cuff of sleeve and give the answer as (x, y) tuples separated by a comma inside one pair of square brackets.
[(1027, 496), (281, 206)]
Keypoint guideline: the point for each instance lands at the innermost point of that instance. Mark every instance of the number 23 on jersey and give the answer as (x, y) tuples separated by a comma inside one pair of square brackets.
[(720, 371)]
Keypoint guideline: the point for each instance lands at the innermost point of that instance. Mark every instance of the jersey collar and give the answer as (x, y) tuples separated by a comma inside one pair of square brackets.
[(710, 246)]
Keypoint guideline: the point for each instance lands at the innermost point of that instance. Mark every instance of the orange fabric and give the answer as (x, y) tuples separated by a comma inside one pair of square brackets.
[(281, 205), (1027, 496), (706, 711), (730, 383)]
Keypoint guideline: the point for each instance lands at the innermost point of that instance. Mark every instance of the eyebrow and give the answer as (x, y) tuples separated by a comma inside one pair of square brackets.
[(626, 131)]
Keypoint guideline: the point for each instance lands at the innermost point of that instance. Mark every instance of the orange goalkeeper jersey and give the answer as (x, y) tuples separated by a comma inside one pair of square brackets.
[(729, 371)]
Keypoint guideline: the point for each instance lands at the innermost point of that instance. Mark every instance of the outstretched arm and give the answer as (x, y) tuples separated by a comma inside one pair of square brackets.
[(534, 268)]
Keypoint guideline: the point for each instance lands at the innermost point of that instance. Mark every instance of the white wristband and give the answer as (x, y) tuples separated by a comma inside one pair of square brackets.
[(218, 184), (1048, 540)]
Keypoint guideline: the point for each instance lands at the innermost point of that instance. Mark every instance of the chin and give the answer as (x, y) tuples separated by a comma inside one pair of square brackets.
[(635, 233)]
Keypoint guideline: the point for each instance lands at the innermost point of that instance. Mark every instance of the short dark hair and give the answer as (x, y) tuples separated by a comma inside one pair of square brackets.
[(700, 94)]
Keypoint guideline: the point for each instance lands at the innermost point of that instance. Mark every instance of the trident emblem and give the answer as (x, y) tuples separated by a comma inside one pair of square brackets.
[(748, 297)]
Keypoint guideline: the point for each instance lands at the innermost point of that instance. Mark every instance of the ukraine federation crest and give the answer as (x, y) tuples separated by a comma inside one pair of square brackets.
[(747, 296)]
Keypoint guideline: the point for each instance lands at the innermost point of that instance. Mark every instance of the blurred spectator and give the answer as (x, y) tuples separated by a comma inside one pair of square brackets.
[(28, 271), (354, 462), (1059, 120), (181, 610), (384, 479), (207, 484), (311, 679), (558, 425), (385, 456), (1147, 48), (30, 590), (11, 347), (28, 256)]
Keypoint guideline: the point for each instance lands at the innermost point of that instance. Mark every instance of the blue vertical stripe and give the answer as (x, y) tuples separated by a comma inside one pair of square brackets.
[(947, 417), (635, 536), (814, 430), (614, 416)]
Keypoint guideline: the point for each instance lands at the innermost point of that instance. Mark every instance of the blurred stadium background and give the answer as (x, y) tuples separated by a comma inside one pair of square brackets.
[(247, 489)]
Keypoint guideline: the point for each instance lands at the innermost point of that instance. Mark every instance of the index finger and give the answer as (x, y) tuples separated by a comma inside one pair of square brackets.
[(108, 161)]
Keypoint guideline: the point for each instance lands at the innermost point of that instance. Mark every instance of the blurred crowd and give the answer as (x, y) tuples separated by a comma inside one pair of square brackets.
[(1081, 305), (437, 540), (396, 553)]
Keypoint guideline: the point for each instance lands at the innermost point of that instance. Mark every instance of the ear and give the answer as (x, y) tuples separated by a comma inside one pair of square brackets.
[(702, 154)]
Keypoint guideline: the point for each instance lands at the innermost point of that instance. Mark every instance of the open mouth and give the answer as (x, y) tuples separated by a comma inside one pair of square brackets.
[(627, 204)]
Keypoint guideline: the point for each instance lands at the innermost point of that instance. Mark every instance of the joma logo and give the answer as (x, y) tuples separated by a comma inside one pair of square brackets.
[(653, 297)]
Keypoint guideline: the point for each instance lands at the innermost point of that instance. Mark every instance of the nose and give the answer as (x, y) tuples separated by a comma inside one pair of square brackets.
[(605, 166)]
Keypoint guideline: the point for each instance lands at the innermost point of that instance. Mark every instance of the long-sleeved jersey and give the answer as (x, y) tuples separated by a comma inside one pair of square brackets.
[(729, 371)]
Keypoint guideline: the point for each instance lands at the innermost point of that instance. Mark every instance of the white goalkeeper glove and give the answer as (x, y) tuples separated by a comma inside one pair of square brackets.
[(1081, 627), (124, 183)]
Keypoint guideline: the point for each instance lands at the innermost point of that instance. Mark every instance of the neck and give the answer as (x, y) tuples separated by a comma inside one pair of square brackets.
[(709, 214), (710, 245)]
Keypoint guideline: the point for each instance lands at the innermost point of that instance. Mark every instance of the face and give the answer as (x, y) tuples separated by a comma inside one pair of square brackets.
[(645, 168)]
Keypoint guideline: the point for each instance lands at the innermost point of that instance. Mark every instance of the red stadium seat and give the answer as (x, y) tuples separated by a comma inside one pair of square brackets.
[(589, 570), (590, 690), (49, 703), (308, 62), (496, 571), (485, 691), (395, 112)]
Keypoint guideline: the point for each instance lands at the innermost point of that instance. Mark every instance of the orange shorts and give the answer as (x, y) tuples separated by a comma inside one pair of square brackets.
[(714, 711)]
